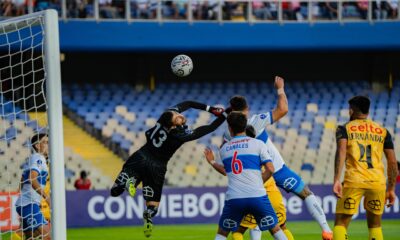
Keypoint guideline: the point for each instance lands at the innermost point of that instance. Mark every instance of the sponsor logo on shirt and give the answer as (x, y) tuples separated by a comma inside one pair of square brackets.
[(366, 128)]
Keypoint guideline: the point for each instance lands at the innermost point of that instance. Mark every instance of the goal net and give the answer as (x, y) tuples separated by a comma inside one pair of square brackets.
[(30, 104)]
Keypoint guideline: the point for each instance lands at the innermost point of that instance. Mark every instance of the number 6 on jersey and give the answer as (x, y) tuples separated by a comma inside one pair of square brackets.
[(236, 164)]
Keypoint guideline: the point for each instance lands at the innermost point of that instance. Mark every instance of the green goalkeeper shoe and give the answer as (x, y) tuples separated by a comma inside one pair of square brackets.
[(130, 186), (148, 227)]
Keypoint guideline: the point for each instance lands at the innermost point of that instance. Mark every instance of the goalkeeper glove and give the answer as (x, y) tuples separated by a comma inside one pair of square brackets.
[(217, 111)]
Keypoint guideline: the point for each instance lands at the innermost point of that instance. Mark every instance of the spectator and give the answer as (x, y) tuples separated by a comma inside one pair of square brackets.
[(362, 7), (119, 6), (86, 9), (169, 10), (209, 10), (72, 8), (41, 5), (7, 7), (380, 9), (140, 9), (107, 10), (291, 10), (227, 9), (331, 10), (20, 7), (83, 183), (393, 8), (261, 11)]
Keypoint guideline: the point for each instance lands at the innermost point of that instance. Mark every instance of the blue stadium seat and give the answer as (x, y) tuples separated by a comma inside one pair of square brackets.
[(97, 104), (307, 167)]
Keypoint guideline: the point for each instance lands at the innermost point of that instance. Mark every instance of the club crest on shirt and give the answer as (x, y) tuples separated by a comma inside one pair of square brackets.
[(263, 116)]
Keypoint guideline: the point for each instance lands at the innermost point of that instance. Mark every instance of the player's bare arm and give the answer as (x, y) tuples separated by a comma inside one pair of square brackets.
[(392, 174), (282, 106), (36, 186), (268, 171), (340, 158), (208, 153)]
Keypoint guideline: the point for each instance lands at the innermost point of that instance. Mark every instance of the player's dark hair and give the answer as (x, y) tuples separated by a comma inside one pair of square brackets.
[(166, 119), (237, 121), (360, 104), (83, 174), (250, 131), (36, 139), (238, 103)]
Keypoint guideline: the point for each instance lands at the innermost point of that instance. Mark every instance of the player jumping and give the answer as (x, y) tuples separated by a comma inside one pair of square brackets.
[(149, 163), (284, 177), (360, 143), (242, 158), (34, 179), (275, 197)]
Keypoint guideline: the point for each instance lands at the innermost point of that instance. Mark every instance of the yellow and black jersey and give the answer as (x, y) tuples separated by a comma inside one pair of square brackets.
[(44, 206), (366, 141), (270, 185)]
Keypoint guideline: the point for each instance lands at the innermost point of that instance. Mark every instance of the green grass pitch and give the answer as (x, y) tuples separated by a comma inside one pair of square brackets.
[(301, 231)]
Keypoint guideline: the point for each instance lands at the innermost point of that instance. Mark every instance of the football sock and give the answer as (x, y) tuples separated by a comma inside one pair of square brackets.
[(340, 233), (375, 233), (150, 212), (219, 237), (314, 208), (288, 234), (237, 236), (255, 234), (279, 235)]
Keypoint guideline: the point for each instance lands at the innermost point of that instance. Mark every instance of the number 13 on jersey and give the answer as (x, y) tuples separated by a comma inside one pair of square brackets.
[(162, 136), (236, 164)]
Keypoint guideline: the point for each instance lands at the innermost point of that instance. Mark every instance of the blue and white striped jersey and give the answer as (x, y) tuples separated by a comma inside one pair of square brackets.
[(36, 162), (260, 122), (242, 158)]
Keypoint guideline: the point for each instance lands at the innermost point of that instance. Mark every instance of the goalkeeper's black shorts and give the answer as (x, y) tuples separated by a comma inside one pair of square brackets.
[(150, 171)]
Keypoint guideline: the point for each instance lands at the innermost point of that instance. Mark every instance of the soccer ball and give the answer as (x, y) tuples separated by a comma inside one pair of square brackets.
[(182, 65)]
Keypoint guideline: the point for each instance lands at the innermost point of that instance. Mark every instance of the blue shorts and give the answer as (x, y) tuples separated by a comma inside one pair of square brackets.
[(32, 217), (288, 180), (235, 209)]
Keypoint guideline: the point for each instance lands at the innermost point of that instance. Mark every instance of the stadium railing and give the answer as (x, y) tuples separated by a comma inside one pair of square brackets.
[(220, 11)]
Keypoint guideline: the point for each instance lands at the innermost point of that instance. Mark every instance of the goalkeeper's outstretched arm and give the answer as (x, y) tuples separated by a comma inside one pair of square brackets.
[(203, 130), (183, 106)]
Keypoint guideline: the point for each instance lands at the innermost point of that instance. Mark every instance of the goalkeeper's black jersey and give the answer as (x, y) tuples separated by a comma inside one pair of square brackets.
[(162, 144)]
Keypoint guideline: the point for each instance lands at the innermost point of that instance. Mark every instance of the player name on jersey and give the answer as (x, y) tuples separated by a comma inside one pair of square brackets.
[(366, 137), (238, 144)]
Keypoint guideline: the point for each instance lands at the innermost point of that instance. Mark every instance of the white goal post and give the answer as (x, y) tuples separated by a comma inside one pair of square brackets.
[(45, 24)]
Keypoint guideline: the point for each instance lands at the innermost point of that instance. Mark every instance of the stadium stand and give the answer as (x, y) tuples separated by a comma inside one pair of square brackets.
[(75, 163), (206, 10), (119, 115), (87, 147), (14, 151)]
